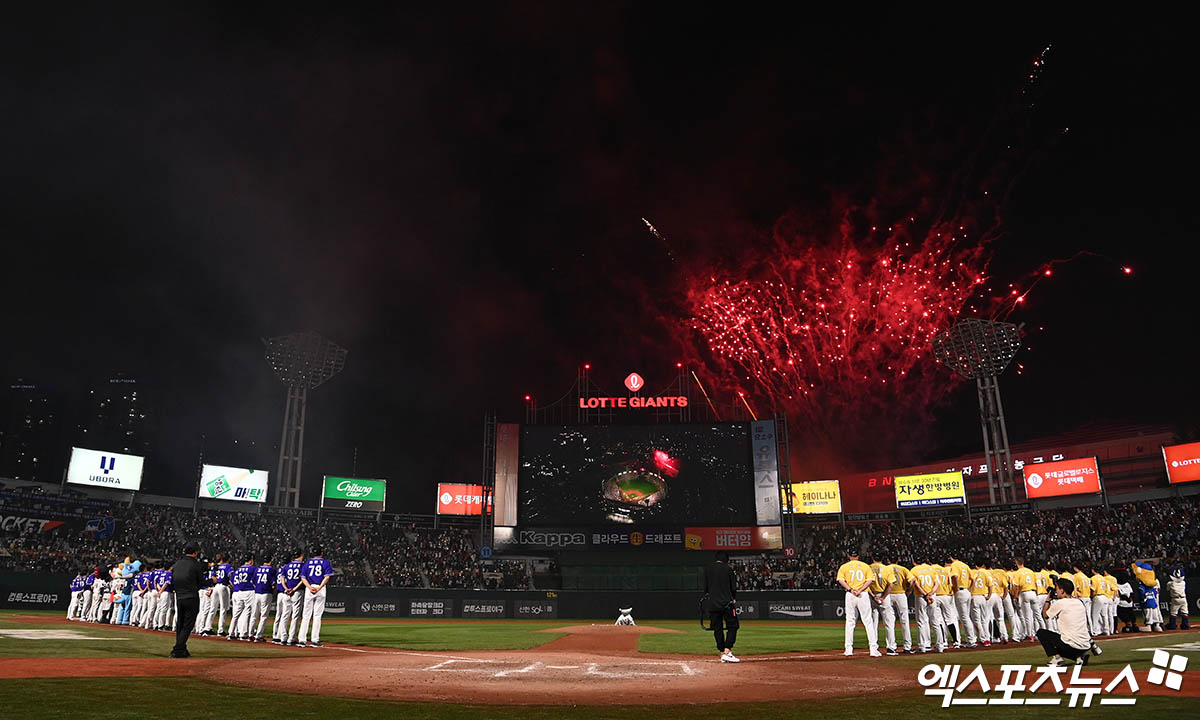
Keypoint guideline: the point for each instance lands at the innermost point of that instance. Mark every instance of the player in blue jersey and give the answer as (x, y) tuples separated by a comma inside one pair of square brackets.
[(219, 604), (264, 585), (76, 591), (290, 601), (166, 600), (315, 576), (205, 596), (243, 596)]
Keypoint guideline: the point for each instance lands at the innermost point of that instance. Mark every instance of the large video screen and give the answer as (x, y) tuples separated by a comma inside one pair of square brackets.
[(659, 474)]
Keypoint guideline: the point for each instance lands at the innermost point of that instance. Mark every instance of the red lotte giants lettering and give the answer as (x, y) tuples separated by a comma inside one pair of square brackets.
[(634, 402)]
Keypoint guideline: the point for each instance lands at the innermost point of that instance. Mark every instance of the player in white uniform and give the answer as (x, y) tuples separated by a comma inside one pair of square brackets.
[(205, 598), (76, 592), (925, 584), (315, 576), (290, 600)]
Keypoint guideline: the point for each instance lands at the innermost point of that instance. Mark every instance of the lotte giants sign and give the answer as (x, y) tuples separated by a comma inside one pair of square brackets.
[(459, 499), (1065, 477), (1183, 462)]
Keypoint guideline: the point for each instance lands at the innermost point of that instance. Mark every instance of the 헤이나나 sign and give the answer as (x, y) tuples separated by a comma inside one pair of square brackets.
[(1065, 477), (227, 483), (930, 490), (354, 494), (821, 496), (105, 469)]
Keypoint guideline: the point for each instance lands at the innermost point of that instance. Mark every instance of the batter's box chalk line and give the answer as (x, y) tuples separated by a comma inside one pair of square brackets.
[(539, 669)]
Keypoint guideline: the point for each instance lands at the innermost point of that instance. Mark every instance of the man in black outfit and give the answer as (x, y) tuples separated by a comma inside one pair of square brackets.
[(187, 577), (720, 603)]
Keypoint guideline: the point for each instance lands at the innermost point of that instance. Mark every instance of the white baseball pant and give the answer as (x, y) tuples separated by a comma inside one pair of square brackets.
[(895, 607), (1040, 622), (949, 613), (1013, 611), (929, 614), (218, 606), (1029, 608), (1102, 622), (262, 608), (964, 607), (205, 601), (1087, 607), (239, 623), (162, 615), (314, 608), (85, 602), (995, 611), (858, 609), (74, 606), (293, 608), (980, 625)]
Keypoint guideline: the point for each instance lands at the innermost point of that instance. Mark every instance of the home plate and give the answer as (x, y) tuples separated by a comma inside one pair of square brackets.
[(53, 635)]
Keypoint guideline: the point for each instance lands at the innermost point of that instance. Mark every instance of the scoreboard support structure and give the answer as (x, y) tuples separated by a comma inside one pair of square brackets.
[(487, 519)]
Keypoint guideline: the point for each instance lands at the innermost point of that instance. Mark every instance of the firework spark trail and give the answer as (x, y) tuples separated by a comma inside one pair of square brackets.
[(662, 239), (837, 322)]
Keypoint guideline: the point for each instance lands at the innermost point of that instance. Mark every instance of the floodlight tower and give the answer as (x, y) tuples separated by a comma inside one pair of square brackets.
[(301, 361), (980, 350)]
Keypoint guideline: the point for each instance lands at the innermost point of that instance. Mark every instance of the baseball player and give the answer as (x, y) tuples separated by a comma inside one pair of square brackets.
[(315, 576), (219, 603), (1101, 616), (264, 584), (243, 597), (1014, 601), (856, 577), (135, 615), (290, 601), (1026, 583), (1112, 600), (99, 587), (1042, 581), (1083, 591), (924, 582), (76, 592), (963, 604), (944, 597), (876, 589), (895, 606), (982, 584), (205, 597), (1000, 603), (165, 594), (1178, 607)]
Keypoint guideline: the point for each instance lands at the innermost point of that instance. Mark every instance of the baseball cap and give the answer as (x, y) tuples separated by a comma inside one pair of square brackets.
[(852, 551), (190, 548)]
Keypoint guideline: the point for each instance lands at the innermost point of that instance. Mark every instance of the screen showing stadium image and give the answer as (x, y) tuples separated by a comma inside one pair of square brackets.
[(615, 474)]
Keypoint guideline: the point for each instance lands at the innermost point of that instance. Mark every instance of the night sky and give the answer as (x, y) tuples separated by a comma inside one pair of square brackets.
[(456, 197)]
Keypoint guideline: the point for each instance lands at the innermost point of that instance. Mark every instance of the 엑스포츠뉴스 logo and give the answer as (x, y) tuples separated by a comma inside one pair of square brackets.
[(108, 464)]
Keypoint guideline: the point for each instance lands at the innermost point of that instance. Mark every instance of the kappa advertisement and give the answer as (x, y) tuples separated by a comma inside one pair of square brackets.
[(105, 469), (227, 483)]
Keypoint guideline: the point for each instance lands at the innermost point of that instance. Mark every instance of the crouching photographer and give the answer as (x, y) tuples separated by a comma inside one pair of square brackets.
[(1073, 641)]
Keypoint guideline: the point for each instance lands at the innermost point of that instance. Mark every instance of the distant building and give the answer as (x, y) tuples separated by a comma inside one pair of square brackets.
[(31, 431), (116, 416)]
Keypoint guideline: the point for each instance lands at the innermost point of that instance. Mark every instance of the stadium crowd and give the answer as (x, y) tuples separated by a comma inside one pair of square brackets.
[(1112, 536)]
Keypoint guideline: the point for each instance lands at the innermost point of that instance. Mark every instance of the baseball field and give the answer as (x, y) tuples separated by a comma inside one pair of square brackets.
[(529, 670)]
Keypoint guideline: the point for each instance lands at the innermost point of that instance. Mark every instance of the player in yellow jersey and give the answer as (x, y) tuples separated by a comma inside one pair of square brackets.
[(1026, 584), (1101, 615), (1112, 601), (1083, 591), (944, 597), (1041, 578), (877, 588), (856, 577), (981, 592), (924, 583), (963, 605), (1014, 600), (895, 605), (996, 603)]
